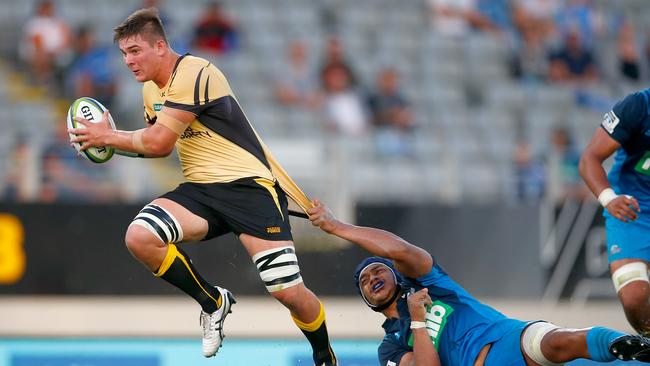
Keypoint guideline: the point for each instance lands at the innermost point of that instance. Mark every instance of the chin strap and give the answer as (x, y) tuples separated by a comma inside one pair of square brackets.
[(384, 306)]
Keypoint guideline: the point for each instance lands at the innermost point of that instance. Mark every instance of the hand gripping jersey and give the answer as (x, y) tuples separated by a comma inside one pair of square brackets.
[(220, 145), (629, 124), (458, 325)]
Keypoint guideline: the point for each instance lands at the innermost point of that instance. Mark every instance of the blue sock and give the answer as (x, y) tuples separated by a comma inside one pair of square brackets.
[(598, 340)]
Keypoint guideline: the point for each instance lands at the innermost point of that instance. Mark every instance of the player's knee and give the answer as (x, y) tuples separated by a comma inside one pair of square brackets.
[(541, 344), (290, 297), (559, 344), (140, 242)]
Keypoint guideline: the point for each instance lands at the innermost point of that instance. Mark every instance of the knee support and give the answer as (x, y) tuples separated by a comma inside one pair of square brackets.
[(532, 342), (635, 271), (160, 222), (278, 268)]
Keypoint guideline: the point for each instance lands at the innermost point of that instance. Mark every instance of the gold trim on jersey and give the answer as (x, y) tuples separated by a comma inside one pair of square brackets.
[(270, 186)]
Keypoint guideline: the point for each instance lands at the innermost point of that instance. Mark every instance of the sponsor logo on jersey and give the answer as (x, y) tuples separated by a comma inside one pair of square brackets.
[(157, 107), (436, 319), (391, 363), (273, 230), (192, 133), (615, 249), (643, 165), (610, 121)]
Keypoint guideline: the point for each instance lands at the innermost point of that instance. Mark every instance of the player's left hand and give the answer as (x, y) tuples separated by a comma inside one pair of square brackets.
[(93, 135), (417, 303)]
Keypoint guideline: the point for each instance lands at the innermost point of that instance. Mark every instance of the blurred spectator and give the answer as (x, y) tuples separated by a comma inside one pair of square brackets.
[(18, 185), (628, 54), (494, 16), (297, 83), (529, 175), (563, 159), (573, 62), (456, 18), (580, 16), (391, 115), (69, 177), (334, 57), (215, 32), (531, 59), (451, 18), (91, 73), (46, 45), (343, 107), (535, 17)]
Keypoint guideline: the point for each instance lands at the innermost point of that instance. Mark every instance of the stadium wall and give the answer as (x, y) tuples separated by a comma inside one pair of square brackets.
[(529, 251)]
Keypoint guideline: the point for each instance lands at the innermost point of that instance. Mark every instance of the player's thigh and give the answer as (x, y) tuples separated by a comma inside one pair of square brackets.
[(169, 222), (627, 240), (194, 227), (255, 245)]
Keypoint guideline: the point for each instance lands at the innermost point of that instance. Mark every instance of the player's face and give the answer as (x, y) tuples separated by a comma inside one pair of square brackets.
[(377, 283), (141, 57)]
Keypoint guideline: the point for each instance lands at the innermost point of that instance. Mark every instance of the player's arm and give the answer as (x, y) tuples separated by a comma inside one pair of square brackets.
[(618, 126), (156, 140), (409, 259)]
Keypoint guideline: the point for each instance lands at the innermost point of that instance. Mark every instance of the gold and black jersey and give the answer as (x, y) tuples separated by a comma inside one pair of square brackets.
[(220, 145)]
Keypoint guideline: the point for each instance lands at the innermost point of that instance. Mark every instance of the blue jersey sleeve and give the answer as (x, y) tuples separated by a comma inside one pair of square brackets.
[(432, 277), (625, 118), (391, 351)]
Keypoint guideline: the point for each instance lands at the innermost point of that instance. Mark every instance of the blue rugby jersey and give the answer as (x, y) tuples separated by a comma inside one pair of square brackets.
[(458, 324), (629, 124)]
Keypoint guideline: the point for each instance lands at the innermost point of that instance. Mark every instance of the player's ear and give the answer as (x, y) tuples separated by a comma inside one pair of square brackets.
[(160, 46)]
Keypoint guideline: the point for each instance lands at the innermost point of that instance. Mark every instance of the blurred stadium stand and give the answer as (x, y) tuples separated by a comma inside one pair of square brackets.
[(465, 102)]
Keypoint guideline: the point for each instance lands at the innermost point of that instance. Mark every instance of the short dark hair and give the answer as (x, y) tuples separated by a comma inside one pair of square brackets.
[(144, 22)]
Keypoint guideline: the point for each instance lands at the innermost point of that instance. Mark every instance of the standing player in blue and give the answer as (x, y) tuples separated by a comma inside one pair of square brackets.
[(625, 195), (433, 321)]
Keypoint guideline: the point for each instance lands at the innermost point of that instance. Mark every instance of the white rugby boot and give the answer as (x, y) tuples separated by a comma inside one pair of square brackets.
[(212, 324)]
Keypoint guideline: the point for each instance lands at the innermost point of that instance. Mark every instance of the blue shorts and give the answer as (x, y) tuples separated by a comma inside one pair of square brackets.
[(507, 350), (627, 239)]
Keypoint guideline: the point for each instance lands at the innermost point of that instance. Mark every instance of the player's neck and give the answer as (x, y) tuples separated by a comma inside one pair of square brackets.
[(166, 69), (391, 311)]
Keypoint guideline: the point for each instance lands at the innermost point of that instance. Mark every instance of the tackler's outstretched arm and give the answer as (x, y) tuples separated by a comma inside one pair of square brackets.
[(410, 260)]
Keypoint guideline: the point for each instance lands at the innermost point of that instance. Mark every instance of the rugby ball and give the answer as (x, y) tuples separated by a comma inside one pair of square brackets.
[(93, 111)]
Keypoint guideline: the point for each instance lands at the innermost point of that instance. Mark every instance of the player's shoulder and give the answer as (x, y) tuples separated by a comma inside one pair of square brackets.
[(633, 104), (629, 111), (192, 65)]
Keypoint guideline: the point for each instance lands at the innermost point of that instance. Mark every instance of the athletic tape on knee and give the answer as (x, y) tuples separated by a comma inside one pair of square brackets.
[(532, 342), (278, 268), (160, 222), (635, 271)]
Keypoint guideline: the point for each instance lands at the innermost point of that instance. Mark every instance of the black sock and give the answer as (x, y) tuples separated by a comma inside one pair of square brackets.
[(316, 333), (178, 270)]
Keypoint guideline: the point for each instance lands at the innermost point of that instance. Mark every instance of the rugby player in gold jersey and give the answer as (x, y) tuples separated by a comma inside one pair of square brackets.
[(233, 183)]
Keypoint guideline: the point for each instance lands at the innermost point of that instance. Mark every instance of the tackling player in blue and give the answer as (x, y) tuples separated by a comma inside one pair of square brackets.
[(433, 321), (625, 195)]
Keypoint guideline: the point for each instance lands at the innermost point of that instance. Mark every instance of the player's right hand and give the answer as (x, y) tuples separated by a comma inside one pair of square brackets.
[(93, 134), (624, 208), (321, 216), (417, 303)]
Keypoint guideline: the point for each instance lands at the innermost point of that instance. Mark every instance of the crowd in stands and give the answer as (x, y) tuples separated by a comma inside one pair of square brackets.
[(549, 42)]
